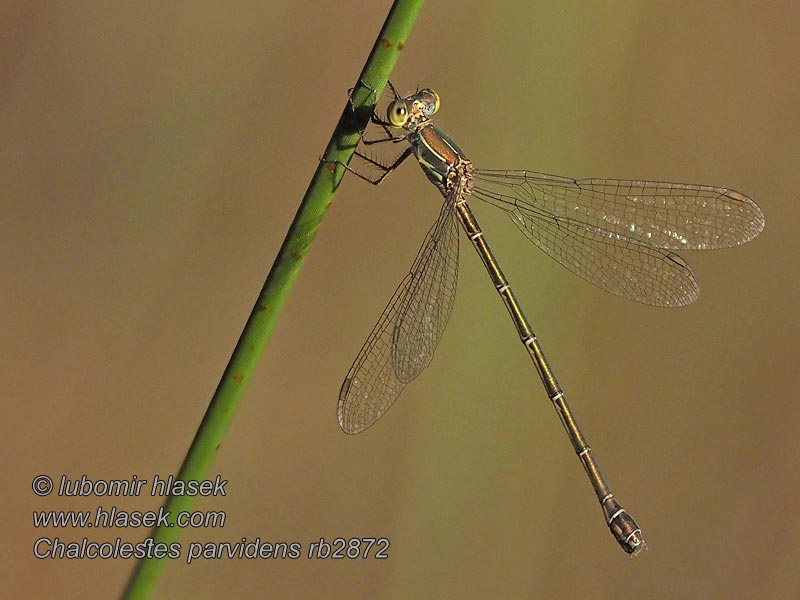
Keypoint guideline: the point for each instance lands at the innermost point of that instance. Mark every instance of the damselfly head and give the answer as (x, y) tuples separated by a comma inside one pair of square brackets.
[(413, 110)]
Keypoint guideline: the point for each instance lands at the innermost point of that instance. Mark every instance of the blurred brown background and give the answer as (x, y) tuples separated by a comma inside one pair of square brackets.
[(153, 156)]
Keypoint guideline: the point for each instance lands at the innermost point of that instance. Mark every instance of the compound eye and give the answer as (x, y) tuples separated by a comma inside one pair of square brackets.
[(430, 101), (397, 113)]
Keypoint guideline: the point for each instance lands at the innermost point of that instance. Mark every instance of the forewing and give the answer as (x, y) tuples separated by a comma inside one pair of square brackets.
[(618, 234), (670, 216), (403, 341)]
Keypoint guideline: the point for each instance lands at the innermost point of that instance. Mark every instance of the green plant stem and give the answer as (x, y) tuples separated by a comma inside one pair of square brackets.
[(285, 269)]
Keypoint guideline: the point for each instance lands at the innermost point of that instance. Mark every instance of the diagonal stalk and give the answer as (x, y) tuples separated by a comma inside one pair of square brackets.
[(280, 280)]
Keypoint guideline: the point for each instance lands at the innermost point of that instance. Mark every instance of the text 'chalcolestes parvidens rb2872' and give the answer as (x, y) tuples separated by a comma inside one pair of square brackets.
[(617, 234)]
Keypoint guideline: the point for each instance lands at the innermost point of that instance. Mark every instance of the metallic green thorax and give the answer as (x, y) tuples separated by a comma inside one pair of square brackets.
[(436, 153)]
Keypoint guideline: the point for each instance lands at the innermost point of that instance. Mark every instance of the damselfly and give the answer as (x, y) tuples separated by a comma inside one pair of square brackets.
[(617, 234)]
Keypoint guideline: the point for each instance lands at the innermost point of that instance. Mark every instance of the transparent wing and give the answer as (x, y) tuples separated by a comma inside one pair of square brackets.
[(634, 271), (618, 234), (403, 341), (671, 216)]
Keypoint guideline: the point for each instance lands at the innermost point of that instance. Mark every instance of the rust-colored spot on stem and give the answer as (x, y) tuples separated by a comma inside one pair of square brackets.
[(400, 46), (386, 43), (238, 378)]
